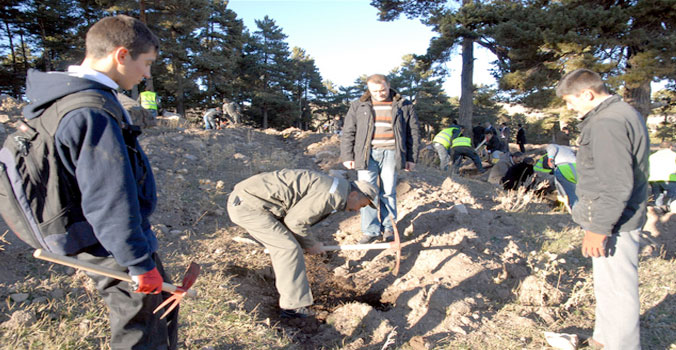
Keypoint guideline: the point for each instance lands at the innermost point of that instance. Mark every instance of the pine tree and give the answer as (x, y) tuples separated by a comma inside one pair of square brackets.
[(265, 67)]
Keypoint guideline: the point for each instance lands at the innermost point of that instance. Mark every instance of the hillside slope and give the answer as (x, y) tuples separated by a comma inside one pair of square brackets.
[(482, 269)]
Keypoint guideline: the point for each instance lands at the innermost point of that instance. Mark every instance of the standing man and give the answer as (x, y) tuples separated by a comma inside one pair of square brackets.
[(505, 135), (612, 190), (521, 139), (148, 101), (442, 144), (380, 136), (278, 208), (112, 188)]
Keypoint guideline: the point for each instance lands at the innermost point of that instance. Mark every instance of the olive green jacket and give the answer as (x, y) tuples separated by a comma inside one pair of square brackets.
[(298, 198)]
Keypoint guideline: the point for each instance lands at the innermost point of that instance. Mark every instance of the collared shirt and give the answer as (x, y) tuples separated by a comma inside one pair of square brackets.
[(91, 74)]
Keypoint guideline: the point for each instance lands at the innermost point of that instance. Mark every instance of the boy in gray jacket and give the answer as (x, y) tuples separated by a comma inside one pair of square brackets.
[(612, 169)]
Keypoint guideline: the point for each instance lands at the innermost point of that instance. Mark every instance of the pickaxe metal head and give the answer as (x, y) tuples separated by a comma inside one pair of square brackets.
[(177, 296)]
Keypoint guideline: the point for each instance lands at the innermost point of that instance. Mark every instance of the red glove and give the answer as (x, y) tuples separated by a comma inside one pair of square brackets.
[(149, 282)]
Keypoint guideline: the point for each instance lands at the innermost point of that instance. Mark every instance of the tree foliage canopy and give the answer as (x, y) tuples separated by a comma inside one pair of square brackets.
[(204, 57)]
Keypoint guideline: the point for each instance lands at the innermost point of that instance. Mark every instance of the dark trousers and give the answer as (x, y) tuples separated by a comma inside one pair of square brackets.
[(464, 151), (132, 322), (522, 148)]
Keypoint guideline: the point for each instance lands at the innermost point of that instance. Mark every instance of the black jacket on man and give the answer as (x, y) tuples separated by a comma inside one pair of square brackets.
[(359, 125), (612, 167)]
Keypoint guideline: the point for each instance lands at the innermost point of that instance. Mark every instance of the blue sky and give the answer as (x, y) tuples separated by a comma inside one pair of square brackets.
[(346, 39)]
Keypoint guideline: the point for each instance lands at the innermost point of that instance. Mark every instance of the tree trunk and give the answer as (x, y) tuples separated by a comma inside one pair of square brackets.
[(15, 87), (265, 118), (639, 97), (466, 85), (143, 18)]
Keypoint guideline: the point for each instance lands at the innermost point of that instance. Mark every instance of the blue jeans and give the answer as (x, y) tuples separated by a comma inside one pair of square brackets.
[(664, 192), (381, 165), (209, 122), (565, 187)]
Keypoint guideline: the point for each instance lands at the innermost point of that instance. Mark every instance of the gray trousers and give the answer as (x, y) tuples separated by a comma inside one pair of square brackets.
[(616, 291), (444, 157), (286, 253)]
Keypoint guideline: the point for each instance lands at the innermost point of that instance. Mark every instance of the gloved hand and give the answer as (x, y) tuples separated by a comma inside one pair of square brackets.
[(149, 282)]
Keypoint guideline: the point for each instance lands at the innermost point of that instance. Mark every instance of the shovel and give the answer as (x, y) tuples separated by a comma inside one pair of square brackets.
[(177, 292)]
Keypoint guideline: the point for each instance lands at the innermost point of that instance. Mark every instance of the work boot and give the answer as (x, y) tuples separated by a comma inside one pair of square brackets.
[(301, 312), (388, 235), (367, 239)]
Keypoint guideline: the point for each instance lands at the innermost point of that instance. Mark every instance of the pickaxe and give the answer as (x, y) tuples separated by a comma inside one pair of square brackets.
[(177, 292), (396, 244)]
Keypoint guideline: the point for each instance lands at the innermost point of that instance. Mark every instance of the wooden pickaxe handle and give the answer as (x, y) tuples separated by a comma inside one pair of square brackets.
[(82, 265)]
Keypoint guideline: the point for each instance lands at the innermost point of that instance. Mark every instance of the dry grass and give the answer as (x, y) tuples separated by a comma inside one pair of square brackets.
[(64, 312)]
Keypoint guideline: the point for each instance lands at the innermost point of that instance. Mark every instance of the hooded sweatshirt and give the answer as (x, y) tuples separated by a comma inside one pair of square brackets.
[(113, 187)]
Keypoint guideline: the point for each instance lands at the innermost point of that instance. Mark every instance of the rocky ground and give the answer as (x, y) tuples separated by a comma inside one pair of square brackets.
[(481, 269)]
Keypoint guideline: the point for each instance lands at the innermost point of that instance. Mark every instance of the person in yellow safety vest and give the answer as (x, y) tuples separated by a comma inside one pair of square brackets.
[(542, 165), (462, 147), (148, 100), (442, 144), (562, 160), (663, 175)]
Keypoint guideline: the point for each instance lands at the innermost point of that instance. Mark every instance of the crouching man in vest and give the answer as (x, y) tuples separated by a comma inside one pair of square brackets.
[(442, 144), (462, 147), (278, 208), (562, 160)]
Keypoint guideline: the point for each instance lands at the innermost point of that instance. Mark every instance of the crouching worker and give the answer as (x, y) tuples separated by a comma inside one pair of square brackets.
[(462, 147), (562, 160), (278, 208)]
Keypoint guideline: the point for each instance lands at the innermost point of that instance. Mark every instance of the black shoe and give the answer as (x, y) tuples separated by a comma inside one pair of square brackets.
[(301, 312), (388, 235), (367, 239)]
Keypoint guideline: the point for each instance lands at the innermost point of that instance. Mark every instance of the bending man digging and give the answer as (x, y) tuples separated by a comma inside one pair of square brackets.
[(278, 208)]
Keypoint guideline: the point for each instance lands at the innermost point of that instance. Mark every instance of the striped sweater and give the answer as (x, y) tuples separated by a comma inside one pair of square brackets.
[(383, 134)]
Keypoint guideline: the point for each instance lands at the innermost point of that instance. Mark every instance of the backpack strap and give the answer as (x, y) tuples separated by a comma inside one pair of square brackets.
[(83, 99)]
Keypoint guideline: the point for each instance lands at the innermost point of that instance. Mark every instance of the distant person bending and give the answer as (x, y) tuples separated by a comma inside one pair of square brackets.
[(518, 174), (462, 148), (663, 176), (442, 144), (500, 168), (212, 119), (278, 208)]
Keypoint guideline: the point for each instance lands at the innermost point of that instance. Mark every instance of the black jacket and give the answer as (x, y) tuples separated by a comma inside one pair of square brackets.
[(521, 136), (358, 128), (612, 168)]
